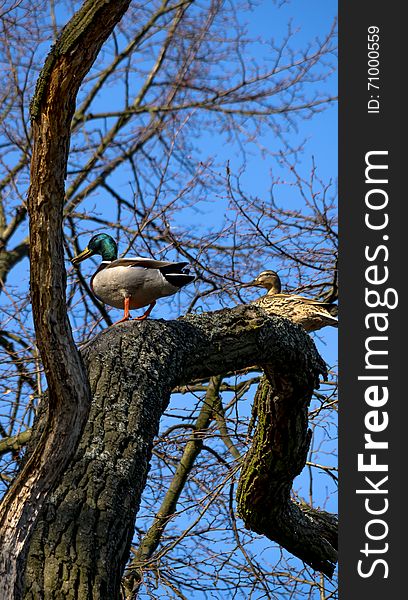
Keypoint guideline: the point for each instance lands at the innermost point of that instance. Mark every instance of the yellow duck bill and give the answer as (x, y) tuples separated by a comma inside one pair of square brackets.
[(82, 256)]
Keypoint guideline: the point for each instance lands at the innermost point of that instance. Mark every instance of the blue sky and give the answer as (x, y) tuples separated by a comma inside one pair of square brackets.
[(311, 20)]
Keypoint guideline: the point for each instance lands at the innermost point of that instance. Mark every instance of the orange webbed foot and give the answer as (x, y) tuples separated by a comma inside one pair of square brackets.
[(127, 316), (147, 313)]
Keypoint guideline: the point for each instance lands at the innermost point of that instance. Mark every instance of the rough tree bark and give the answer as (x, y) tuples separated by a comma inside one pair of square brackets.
[(152, 538), (52, 110), (278, 453), (81, 543)]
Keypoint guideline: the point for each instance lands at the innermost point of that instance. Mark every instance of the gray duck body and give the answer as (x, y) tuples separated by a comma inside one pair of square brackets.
[(142, 280)]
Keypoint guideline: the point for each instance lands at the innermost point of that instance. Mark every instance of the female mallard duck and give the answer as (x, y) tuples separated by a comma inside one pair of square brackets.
[(131, 282), (311, 314)]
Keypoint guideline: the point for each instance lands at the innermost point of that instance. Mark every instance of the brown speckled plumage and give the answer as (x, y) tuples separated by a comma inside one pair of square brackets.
[(311, 314)]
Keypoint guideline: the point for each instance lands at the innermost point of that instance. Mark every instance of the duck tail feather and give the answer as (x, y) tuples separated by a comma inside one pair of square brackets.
[(331, 320), (179, 279), (174, 268), (333, 309)]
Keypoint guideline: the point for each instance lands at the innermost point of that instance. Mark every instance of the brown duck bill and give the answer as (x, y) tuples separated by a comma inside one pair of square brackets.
[(82, 256)]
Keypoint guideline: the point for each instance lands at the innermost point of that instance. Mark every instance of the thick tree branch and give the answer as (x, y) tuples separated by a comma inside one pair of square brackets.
[(277, 455), (132, 369)]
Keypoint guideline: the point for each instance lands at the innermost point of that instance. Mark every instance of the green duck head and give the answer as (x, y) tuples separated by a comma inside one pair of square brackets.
[(102, 244)]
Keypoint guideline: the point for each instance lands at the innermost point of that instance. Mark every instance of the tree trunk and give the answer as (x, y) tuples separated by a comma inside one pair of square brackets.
[(81, 543), (69, 395)]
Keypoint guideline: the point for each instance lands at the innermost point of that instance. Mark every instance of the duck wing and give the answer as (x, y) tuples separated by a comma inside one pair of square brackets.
[(174, 273), (146, 263), (329, 306)]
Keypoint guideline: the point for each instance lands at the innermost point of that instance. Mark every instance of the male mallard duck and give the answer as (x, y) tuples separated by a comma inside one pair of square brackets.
[(311, 314), (131, 282)]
